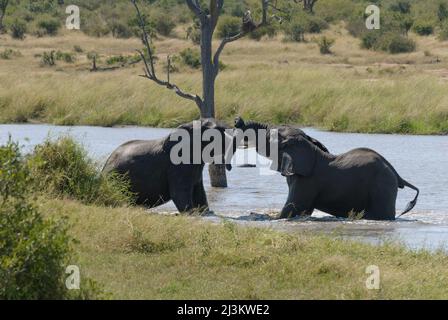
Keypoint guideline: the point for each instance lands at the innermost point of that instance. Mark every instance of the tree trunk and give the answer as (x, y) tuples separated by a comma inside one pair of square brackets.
[(2, 27), (218, 178)]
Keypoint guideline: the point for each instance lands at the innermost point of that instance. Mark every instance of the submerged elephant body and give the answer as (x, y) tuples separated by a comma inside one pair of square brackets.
[(153, 176), (360, 181)]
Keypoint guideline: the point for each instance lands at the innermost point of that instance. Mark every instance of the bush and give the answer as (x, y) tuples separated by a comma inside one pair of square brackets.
[(62, 168), (370, 39), (49, 25), (9, 53), (442, 12), (120, 30), (423, 28), (315, 24), (325, 45), (228, 26), (65, 56), (48, 59), (191, 58), (18, 29), (443, 34), (34, 252), (395, 43), (389, 41), (164, 24), (401, 7), (295, 31), (269, 30), (194, 33)]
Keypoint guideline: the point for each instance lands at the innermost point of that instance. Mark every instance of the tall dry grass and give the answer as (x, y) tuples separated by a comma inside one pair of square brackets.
[(271, 81)]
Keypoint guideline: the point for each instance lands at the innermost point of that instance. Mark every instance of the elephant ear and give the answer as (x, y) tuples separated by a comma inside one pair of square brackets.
[(296, 157)]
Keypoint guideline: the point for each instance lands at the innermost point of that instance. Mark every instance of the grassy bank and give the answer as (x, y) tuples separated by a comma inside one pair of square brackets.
[(272, 81), (51, 219), (135, 254)]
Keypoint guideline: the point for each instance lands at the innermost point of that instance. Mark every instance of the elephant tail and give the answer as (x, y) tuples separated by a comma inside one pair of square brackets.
[(411, 205)]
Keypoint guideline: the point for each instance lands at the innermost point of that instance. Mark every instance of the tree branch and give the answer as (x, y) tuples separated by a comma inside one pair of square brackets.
[(196, 8), (149, 69)]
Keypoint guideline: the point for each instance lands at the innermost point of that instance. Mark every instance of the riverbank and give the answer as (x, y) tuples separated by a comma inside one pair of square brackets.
[(352, 90), (134, 254)]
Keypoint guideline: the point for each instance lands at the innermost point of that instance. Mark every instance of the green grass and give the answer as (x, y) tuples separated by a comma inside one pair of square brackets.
[(352, 90), (134, 254)]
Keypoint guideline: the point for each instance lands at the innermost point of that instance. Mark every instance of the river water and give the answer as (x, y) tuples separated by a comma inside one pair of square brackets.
[(252, 192)]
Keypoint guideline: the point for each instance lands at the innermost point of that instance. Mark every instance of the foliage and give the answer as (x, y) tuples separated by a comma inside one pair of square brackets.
[(48, 59), (48, 26), (325, 45), (191, 57), (18, 29), (62, 168), (33, 251), (228, 26), (295, 31), (423, 28), (9, 53), (67, 57), (164, 24)]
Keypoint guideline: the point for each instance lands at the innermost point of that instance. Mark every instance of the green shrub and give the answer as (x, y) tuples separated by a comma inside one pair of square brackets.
[(18, 29), (48, 59), (325, 45), (442, 12), (194, 33), (295, 31), (191, 58), (395, 43), (49, 25), (370, 39), (63, 169), (120, 30), (315, 24), (123, 59), (34, 252), (423, 28), (443, 34), (67, 57), (78, 49), (164, 24), (388, 41), (228, 26), (401, 6), (269, 31), (9, 53)]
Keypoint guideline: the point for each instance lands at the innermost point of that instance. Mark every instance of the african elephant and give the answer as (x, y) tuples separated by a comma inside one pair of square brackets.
[(156, 179), (360, 181)]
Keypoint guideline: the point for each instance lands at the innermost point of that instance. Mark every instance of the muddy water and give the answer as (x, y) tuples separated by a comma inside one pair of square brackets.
[(422, 160)]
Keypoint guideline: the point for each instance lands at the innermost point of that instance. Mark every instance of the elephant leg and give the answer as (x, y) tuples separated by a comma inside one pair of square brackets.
[(200, 198), (291, 210), (300, 200), (382, 204), (182, 198)]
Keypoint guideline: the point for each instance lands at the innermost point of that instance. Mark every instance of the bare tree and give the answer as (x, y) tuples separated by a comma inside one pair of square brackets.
[(3, 7), (208, 18)]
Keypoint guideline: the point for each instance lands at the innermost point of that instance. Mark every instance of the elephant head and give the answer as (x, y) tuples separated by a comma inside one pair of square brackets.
[(296, 156), (201, 141), (296, 150)]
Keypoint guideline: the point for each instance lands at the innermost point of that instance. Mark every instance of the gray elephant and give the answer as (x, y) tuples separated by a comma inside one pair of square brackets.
[(358, 182), (156, 179)]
